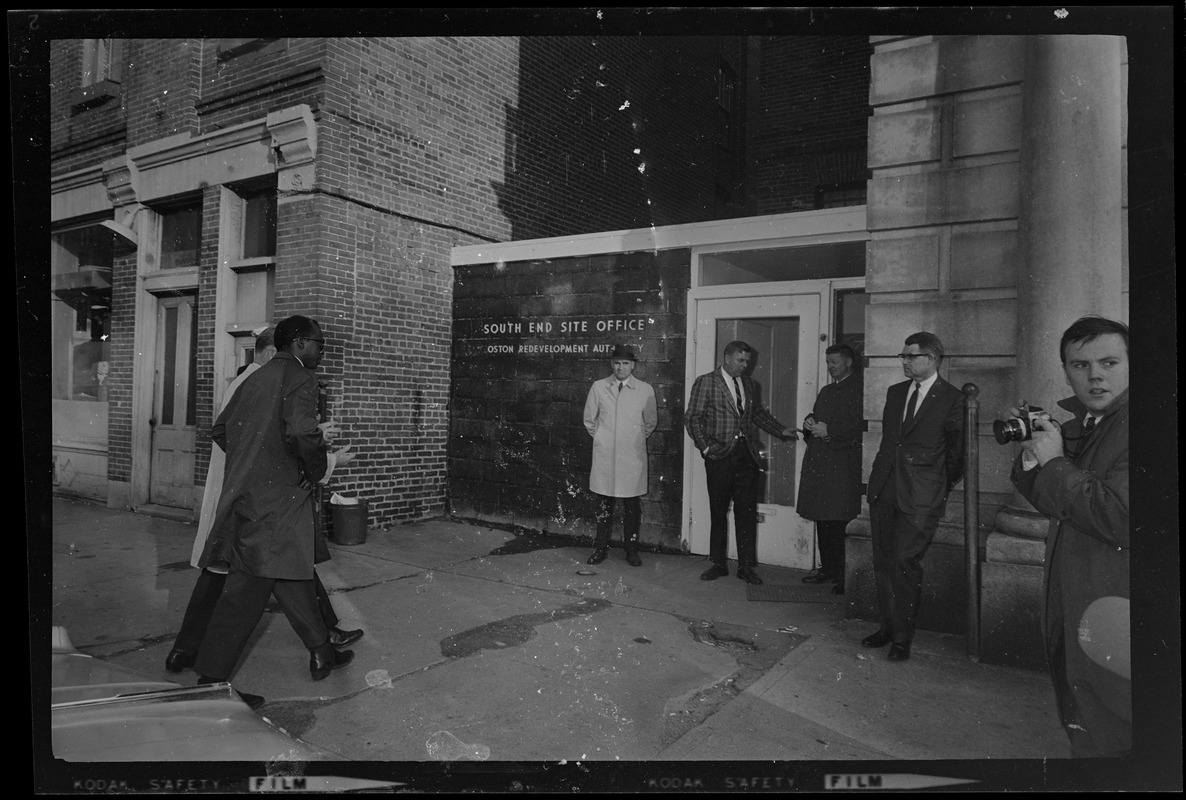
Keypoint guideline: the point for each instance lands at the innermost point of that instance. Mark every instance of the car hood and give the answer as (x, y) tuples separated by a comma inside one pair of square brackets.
[(103, 712)]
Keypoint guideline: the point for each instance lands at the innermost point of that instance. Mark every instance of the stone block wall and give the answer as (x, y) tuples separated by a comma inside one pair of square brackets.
[(519, 454)]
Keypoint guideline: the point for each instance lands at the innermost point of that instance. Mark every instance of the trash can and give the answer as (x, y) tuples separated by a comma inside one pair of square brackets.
[(349, 523)]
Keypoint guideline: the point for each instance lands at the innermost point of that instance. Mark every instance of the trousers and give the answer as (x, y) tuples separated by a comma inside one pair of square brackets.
[(899, 545), (204, 598), (239, 610), (631, 521), (830, 534), (733, 479)]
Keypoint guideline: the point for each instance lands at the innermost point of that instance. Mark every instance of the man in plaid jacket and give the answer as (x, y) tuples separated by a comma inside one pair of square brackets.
[(724, 414)]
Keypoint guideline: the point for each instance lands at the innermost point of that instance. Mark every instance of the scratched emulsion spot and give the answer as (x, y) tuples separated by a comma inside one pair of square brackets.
[(514, 631), (444, 746)]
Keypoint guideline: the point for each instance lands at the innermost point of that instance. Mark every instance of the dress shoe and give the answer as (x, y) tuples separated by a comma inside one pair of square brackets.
[(899, 651), (324, 659), (714, 572), (632, 558), (341, 638), (749, 576), (838, 589), (878, 639), (597, 557), (819, 576), (253, 701), (178, 660)]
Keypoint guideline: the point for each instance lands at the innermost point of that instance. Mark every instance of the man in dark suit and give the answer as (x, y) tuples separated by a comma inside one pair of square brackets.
[(264, 528), (210, 583), (830, 483), (724, 414), (918, 464)]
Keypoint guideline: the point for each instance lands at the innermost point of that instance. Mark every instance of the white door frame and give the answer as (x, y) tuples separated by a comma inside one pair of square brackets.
[(821, 289)]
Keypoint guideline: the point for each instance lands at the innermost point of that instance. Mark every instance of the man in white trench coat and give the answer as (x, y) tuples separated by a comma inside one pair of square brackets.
[(620, 414)]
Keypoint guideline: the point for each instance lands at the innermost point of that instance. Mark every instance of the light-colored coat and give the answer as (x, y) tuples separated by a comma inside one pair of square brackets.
[(275, 453), (214, 478), (620, 423)]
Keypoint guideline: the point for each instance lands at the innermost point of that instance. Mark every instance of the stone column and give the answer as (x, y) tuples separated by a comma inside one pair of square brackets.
[(1070, 214)]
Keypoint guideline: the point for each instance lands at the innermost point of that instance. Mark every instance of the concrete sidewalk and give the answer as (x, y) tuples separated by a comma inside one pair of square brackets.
[(481, 644)]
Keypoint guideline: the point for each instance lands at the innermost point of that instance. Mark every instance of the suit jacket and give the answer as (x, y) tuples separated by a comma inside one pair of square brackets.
[(830, 484), (620, 423), (713, 423), (925, 458), (1087, 546), (275, 453)]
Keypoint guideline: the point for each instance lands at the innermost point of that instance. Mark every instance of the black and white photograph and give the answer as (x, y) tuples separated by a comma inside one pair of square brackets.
[(355, 325)]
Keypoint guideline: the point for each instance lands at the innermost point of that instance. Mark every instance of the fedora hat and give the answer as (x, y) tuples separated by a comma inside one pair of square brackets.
[(621, 351)]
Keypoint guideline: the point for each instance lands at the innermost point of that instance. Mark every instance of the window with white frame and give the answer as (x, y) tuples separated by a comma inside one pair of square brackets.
[(254, 258)]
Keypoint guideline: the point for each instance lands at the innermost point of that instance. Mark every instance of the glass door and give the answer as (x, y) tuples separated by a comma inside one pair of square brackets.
[(783, 330)]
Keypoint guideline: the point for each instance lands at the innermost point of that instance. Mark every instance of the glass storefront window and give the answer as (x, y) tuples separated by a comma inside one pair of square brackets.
[(81, 312)]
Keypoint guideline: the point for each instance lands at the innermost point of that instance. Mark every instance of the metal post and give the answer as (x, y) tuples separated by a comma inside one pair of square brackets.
[(972, 514)]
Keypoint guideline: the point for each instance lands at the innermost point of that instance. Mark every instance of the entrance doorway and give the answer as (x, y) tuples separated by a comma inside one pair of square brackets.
[(174, 413), (784, 331)]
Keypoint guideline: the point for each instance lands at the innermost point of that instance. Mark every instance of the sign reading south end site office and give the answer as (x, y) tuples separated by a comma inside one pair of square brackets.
[(553, 335)]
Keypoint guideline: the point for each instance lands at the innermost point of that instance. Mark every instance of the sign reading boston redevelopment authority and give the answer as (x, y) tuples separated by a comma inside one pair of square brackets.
[(544, 336)]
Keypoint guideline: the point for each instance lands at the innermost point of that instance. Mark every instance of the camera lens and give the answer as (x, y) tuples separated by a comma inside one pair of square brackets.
[(1010, 430)]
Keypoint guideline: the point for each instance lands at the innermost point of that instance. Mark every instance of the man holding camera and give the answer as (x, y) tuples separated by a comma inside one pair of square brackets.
[(1077, 475), (920, 460)]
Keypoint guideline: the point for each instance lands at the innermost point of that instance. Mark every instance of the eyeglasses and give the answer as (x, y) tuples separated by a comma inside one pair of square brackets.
[(911, 356), (311, 339)]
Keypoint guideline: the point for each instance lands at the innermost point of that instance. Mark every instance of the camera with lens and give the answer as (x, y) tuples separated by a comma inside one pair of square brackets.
[(1018, 429)]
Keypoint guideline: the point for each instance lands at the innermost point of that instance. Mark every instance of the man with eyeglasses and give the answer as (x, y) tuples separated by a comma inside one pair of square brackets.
[(264, 528), (920, 461)]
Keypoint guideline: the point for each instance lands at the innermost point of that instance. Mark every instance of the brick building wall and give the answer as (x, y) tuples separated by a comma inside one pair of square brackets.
[(79, 137), (809, 128), (422, 144)]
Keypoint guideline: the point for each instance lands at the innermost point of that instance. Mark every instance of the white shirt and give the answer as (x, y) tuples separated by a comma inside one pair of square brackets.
[(924, 387), (732, 391)]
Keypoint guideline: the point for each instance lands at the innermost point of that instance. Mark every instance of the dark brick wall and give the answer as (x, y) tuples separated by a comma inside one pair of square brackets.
[(79, 137), (518, 451), (810, 126), (610, 133)]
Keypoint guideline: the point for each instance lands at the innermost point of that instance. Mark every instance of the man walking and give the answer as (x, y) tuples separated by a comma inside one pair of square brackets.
[(918, 464), (264, 529), (830, 484), (1077, 475), (620, 415), (211, 580), (725, 413)]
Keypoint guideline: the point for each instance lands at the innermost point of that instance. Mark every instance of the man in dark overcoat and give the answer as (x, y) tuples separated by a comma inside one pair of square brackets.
[(725, 414), (830, 483), (920, 461), (1077, 475), (264, 528)]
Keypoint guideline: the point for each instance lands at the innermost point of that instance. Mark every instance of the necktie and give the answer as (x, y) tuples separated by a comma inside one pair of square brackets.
[(740, 402), (911, 405), (1088, 425), (620, 385)]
